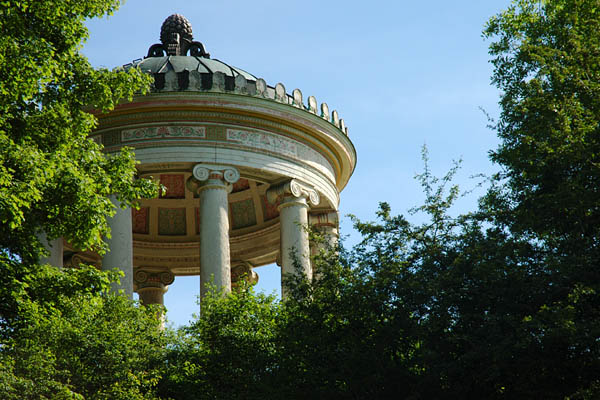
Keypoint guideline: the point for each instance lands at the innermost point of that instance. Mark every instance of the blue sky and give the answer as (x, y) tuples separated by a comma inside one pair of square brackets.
[(401, 74)]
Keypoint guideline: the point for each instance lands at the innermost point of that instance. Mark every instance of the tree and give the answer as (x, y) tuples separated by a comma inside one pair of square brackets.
[(229, 352), (61, 334), (454, 307), (501, 303), (52, 178), (80, 341), (546, 63), (342, 336)]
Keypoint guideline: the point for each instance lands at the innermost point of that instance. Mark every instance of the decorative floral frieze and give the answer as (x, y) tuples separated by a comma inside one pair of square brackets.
[(264, 141), (156, 132), (281, 145)]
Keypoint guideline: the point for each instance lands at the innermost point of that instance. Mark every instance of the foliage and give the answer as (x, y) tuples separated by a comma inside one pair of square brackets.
[(340, 337), (480, 306), (229, 352), (498, 304), (52, 178), (453, 307), (501, 303), (547, 65), (78, 341), (413, 310), (546, 62), (61, 334)]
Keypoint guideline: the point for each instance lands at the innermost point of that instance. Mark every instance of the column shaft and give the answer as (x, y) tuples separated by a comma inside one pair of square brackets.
[(214, 237), (293, 198), (295, 253), (326, 224), (152, 295), (55, 248), (120, 253), (215, 265)]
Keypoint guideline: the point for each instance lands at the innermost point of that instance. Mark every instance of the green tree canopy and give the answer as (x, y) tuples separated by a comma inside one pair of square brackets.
[(62, 335), (546, 58), (501, 303), (52, 178), (79, 341), (228, 352)]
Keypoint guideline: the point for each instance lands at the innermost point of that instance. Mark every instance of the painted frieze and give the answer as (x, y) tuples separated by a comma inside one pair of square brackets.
[(156, 132), (281, 145)]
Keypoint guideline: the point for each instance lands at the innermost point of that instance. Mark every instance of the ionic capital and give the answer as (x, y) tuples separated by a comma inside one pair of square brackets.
[(243, 270), (293, 191), (82, 258), (145, 279), (215, 176), (203, 172)]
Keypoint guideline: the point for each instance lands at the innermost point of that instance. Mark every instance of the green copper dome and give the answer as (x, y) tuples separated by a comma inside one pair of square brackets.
[(203, 65), (181, 64)]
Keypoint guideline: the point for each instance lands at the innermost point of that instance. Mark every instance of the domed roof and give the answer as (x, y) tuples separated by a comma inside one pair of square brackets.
[(179, 63), (176, 40), (204, 65)]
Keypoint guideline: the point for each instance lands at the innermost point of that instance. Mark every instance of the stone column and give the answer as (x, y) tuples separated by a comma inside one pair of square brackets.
[(293, 197), (214, 229), (326, 224), (55, 250), (151, 286), (120, 244)]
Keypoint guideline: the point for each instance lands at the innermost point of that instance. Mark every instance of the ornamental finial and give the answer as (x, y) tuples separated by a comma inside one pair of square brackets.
[(177, 39)]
